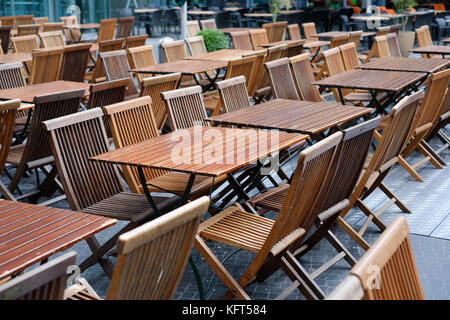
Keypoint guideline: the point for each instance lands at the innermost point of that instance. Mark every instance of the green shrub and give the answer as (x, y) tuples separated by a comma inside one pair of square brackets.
[(214, 39)]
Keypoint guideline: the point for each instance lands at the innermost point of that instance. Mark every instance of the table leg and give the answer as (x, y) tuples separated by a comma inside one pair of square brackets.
[(147, 192), (341, 96)]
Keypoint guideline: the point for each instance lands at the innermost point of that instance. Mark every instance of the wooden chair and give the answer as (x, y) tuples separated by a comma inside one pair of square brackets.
[(36, 152), (349, 56), (27, 29), (24, 19), (319, 66), (258, 37), (98, 73), (241, 40), (54, 26), (74, 139), (309, 29), (139, 57), (294, 32), (196, 45), (355, 37), (303, 77), (423, 38), (192, 28), (383, 31), (8, 110), (106, 93), (281, 80), (161, 247), (396, 28), (153, 87), (25, 43), (46, 65), (5, 34), (276, 31), (74, 62), (394, 47), (233, 94), (174, 51), (271, 240), (106, 30), (116, 67), (258, 69), (72, 35), (52, 39), (398, 128), (7, 21), (387, 271), (1, 48), (440, 123), (208, 24), (428, 114), (135, 41), (124, 27), (40, 21), (46, 282)]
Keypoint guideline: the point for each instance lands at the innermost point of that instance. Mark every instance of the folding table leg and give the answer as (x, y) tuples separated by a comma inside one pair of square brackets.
[(6, 193)]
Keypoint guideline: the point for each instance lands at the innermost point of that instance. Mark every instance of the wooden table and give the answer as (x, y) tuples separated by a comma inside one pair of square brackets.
[(428, 50), (383, 17), (446, 40), (295, 116), (83, 26), (230, 30), (332, 34), (16, 57), (30, 234), (406, 64), (146, 10), (220, 55), (394, 83), (27, 93), (269, 15), (289, 43)]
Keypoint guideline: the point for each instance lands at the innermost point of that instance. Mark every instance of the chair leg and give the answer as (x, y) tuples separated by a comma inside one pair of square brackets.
[(392, 195), (431, 155), (5, 192), (409, 169), (372, 216), (96, 256), (20, 169), (353, 234)]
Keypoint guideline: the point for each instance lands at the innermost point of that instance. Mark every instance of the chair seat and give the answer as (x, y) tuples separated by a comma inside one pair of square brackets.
[(124, 206), (210, 102), (272, 199), (363, 96), (237, 228)]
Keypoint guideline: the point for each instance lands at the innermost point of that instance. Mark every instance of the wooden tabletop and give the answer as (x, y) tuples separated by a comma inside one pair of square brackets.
[(220, 55), (30, 233), (258, 15), (391, 81), (83, 26), (381, 17), (16, 57), (232, 9), (187, 67), (446, 40), (406, 64), (146, 10), (314, 44), (432, 50), (210, 151), (27, 93), (229, 30), (332, 34), (292, 115), (290, 43), (200, 13)]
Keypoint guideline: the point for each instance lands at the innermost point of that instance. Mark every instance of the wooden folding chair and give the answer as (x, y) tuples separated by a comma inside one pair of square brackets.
[(8, 110), (24, 19), (116, 67), (135, 41), (40, 21), (309, 30), (318, 64), (395, 28), (429, 112), (46, 65), (74, 139), (53, 26), (241, 40), (394, 47), (423, 38), (174, 51), (5, 34), (161, 247), (153, 87), (52, 39), (258, 37), (106, 30), (208, 24), (258, 69), (7, 21), (98, 73), (74, 62), (36, 152), (281, 80), (27, 29), (383, 30), (72, 35), (379, 49), (355, 37), (276, 31), (192, 28), (270, 240), (397, 131), (387, 271), (233, 94), (106, 93), (139, 57), (294, 32), (124, 27), (25, 44), (196, 45), (442, 121), (303, 76), (349, 56), (46, 282)]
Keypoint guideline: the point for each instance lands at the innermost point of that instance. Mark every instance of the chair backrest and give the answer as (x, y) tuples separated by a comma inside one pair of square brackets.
[(8, 110), (135, 41), (75, 138), (7, 21), (383, 30), (355, 37), (281, 80), (309, 29), (26, 29), (174, 51), (24, 19), (258, 37), (208, 24), (337, 41), (161, 247), (387, 271), (106, 30), (303, 77), (25, 43), (116, 67), (382, 47), (294, 32), (152, 87), (233, 94), (196, 45), (335, 66), (72, 35), (276, 31), (52, 39), (394, 47), (46, 282), (185, 107), (273, 53), (349, 56), (395, 28), (54, 26), (11, 76), (105, 46), (258, 69), (105, 93), (74, 62), (5, 34), (241, 40), (41, 21), (124, 27), (46, 65), (48, 107), (241, 67), (424, 38), (140, 57), (192, 28)]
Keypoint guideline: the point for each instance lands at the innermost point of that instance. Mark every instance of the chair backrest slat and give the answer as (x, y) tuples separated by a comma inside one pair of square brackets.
[(273, 53), (281, 80), (192, 28), (303, 77), (383, 30), (241, 40), (233, 94), (382, 47), (174, 51), (116, 67)]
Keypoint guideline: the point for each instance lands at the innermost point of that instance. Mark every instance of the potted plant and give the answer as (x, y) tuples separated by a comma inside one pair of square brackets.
[(214, 39), (274, 7), (405, 38)]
